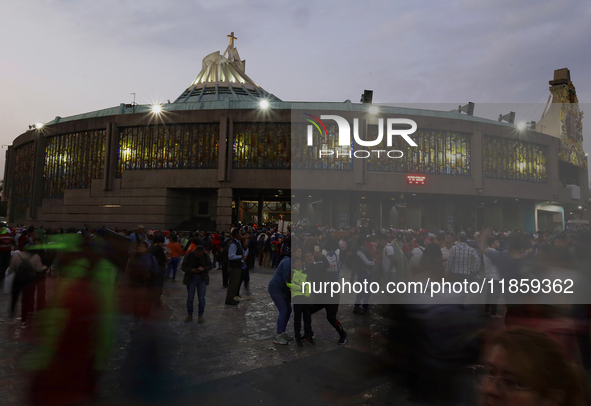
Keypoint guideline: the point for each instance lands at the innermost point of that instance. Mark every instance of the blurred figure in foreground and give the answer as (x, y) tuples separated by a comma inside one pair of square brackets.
[(27, 268), (143, 271), (524, 367), (76, 330)]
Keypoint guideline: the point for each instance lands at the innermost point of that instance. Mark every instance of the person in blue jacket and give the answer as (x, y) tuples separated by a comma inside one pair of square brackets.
[(282, 298)]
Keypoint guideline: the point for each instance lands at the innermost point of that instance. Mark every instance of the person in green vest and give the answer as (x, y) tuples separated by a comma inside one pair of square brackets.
[(302, 307)]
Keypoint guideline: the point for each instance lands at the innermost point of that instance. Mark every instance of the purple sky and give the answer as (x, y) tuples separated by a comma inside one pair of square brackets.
[(66, 57)]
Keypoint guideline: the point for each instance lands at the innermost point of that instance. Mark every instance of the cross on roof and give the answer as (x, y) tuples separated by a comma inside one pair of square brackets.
[(232, 38)]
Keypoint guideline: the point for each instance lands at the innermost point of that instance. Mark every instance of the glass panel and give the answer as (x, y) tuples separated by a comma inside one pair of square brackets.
[(261, 146), (506, 158), (307, 157), (437, 152), (72, 161), (181, 146)]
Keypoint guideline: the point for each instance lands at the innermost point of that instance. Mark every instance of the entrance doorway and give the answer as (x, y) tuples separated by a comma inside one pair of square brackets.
[(262, 207)]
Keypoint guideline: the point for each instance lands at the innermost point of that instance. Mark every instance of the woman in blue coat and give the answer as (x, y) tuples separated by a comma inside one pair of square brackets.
[(282, 298)]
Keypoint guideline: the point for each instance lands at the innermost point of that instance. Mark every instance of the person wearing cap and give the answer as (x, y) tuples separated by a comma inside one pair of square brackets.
[(139, 235)]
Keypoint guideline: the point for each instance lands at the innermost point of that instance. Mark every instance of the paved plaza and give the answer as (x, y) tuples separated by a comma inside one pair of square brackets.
[(231, 358)]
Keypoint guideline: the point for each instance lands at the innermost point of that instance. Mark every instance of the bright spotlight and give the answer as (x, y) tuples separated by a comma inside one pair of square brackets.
[(39, 126), (521, 125), (156, 108), (264, 104), (374, 110)]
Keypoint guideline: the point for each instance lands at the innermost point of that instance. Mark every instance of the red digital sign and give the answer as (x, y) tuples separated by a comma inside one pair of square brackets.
[(415, 179)]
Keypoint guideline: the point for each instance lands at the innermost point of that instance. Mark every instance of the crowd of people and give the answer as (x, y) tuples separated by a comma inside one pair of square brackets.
[(512, 364)]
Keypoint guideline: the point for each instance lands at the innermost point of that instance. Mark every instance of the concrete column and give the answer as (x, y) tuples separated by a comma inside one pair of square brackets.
[(5, 190), (38, 167), (334, 219), (222, 149), (413, 217), (224, 209), (303, 200), (9, 182), (111, 155), (552, 168), (260, 212), (493, 216), (230, 149), (477, 157), (353, 208), (326, 209), (360, 164)]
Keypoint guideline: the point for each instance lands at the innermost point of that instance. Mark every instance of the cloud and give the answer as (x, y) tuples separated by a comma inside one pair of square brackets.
[(70, 57)]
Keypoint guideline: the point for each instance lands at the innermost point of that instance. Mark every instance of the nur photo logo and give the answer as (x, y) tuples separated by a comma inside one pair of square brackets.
[(344, 137)]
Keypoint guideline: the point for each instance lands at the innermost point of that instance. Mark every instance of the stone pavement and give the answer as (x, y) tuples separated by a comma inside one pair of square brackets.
[(231, 358)]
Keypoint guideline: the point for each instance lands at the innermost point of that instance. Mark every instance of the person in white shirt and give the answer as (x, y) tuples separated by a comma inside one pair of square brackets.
[(417, 253), (331, 252), (388, 260)]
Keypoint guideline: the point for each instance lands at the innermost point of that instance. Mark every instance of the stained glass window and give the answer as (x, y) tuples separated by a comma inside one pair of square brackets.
[(23, 178), (437, 152), (72, 161), (261, 146), (506, 158), (308, 157), (180, 146)]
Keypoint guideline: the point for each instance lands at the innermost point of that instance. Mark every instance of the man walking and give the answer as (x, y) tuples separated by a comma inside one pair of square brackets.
[(196, 267)]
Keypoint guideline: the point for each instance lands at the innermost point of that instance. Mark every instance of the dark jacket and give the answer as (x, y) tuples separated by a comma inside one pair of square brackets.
[(192, 262), (143, 271), (235, 263)]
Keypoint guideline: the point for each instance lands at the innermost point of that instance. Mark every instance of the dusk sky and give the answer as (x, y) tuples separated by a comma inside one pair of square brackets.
[(66, 57)]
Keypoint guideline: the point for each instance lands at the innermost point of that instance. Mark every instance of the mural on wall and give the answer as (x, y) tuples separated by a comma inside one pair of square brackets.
[(261, 146), (175, 146), (72, 161), (571, 128), (511, 159), (438, 152)]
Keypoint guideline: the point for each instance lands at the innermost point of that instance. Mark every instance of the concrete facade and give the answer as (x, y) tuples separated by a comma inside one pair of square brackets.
[(164, 198)]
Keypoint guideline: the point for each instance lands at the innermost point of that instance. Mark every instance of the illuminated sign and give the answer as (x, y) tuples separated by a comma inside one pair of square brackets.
[(415, 179)]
